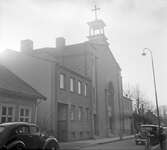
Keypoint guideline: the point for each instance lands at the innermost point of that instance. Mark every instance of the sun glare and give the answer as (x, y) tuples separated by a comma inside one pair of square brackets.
[(8, 44), (2, 47)]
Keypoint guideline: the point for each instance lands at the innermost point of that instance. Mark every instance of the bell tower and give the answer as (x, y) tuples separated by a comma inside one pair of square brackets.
[(96, 29)]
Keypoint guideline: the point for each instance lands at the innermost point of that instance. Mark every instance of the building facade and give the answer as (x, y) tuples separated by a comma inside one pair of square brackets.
[(68, 109), (74, 105), (94, 59)]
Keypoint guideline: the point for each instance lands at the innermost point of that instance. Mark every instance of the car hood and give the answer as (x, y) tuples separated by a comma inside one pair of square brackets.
[(141, 135), (2, 140)]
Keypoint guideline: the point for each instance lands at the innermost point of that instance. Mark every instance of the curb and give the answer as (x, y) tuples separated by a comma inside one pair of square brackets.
[(116, 140), (98, 143), (156, 147)]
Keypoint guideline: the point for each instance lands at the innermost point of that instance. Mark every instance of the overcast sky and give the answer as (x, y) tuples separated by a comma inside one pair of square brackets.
[(131, 26)]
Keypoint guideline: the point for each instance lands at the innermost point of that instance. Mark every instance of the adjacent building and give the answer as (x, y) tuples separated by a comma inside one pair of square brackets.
[(18, 100), (127, 119)]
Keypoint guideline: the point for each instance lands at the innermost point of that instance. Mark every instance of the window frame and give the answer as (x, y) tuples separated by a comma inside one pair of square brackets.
[(79, 87), (72, 112), (7, 115), (80, 113), (62, 81), (87, 114), (24, 117), (72, 84), (85, 89)]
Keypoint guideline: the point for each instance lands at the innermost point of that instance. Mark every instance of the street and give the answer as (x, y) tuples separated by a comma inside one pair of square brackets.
[(121, 145)]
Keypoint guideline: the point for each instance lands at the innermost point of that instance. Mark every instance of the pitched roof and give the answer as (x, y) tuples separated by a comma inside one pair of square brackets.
[(78, 48), (11, 83)]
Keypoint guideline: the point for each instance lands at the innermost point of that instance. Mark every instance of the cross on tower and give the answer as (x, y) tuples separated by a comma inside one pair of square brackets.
[(95, 10)]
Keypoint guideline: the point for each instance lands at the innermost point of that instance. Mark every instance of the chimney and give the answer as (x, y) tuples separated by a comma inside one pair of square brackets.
[(26, 45), (60, 42)]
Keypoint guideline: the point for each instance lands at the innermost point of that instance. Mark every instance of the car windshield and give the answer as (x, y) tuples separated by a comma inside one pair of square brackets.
[(150, 129), (2, 129), (146, 128)]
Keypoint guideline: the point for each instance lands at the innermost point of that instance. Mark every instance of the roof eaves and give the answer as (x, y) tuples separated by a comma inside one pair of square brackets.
[(22, 94)]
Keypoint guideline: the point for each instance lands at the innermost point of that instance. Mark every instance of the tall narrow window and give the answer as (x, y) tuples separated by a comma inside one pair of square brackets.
[(62, 81), (87, 113), (79, 87), (80, 113), (72, 116), (85, 89), (72, 84)]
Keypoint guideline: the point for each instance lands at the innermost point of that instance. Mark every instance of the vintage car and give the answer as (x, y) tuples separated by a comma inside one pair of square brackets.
[(165, 130), (145, 131), (25, 136)]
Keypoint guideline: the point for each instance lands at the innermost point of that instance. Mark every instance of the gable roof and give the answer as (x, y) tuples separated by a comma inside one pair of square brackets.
[(10, 83)]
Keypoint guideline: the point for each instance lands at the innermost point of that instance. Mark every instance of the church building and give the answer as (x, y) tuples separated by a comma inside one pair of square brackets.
[(82, 83), (94, 59)]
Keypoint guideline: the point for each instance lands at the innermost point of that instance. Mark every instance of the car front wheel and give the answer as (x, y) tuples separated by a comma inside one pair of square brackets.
[(18, 147), (52, 146)]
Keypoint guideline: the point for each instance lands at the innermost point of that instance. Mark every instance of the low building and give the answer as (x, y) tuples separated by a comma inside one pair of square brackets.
[(18, 100), (127, 122)]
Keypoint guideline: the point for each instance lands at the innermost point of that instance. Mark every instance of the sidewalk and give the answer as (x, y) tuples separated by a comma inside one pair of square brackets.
[(85, 143)]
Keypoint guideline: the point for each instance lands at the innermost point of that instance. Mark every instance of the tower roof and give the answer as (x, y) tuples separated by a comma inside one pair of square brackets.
[(97, 24), (96, 29)]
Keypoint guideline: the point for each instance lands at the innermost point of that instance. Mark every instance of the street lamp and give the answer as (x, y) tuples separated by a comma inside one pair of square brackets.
[(145, 50)]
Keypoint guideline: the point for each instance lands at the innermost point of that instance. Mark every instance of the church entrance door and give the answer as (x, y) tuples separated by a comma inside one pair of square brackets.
[(62, 122)]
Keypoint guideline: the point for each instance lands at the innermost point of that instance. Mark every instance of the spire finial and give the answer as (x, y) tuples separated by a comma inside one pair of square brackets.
[(95, 10)]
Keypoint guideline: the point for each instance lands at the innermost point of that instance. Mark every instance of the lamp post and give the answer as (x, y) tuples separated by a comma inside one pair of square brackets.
[(145, 50)]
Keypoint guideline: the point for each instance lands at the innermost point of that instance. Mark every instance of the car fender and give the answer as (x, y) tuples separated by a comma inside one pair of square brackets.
[(12, 144), (48, 140)]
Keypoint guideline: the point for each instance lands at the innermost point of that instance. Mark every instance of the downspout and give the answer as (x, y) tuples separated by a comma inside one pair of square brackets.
[(119, 101)]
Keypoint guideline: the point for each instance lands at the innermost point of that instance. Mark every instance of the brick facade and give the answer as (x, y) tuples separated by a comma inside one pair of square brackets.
[(77, 117)]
